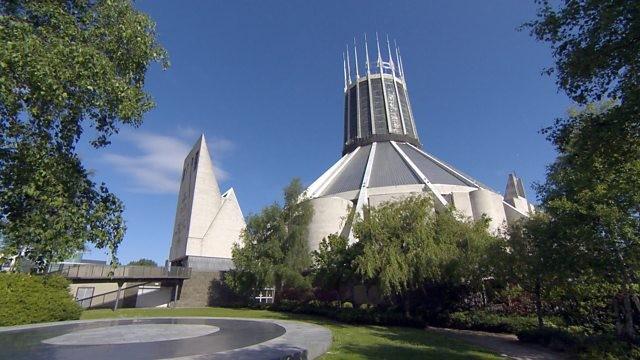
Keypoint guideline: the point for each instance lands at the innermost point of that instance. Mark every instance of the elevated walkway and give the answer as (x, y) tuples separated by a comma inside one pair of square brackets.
[(172, 276), (101, 273)]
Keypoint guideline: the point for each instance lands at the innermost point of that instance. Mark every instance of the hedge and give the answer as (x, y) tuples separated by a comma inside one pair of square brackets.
[(28, 299), (583, 346), (491, 322)]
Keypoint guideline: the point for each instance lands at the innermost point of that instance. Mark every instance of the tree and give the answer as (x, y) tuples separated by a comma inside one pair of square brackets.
[(407, 245), (274, 250), (591, 192), (527, 258), (334, 263), (595, 45), (143, 262), (66, 66)]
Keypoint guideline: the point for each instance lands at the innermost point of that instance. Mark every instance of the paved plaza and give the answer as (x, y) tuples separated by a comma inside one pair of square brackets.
[(166, 338)]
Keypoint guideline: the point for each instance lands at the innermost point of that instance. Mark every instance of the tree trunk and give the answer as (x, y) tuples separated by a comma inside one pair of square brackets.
[(616, 312), (629, 331), (407, 307), (538, 294), (277, 290)]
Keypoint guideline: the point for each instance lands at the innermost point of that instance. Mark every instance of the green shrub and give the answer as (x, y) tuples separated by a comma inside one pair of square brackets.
[(28, 299), (486, 321), (604, 347), (555, 338), (347, 305), (607, 348)]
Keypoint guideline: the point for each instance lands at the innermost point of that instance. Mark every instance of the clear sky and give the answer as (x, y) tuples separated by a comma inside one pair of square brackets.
[(263, 80)]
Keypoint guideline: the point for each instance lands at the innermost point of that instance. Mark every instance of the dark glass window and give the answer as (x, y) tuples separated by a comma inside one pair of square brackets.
[(365, 114), (353, 113), (379, 114), (405, 111), (392, 105), (346, 116)]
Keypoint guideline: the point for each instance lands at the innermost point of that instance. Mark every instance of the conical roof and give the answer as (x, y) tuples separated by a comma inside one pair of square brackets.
[(392, 164)]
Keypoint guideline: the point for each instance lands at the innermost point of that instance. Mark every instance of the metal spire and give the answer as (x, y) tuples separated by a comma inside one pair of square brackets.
[(348, 65), (366, 50), (344, 67), (355, 51), (397, 59), (393, 66), (379, 56), (401, 65)]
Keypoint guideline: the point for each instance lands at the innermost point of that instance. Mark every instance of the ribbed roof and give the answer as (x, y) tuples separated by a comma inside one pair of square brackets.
[(435, 172), (390, 169), (350, 177)]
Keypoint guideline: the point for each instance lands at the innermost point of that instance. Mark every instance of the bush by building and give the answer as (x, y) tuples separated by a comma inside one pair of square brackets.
[(491, 322), (576, 341), (28, 299)]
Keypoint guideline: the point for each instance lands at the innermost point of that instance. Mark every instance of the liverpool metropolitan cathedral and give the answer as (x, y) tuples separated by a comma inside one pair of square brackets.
[(382, 160)]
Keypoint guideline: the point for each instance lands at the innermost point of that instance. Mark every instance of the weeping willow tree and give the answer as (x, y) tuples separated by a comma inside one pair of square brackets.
[(274, 250), (406, 245)]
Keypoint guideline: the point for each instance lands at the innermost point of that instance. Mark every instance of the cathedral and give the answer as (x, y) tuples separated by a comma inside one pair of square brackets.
[(384, 160)]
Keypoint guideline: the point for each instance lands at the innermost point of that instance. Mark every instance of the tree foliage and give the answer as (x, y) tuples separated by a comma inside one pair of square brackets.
[(595, 45), (143, 262), (407, 245), (274, 250), (592, 189), (592, 194), (527, 258), (66, 66), (334, 263)]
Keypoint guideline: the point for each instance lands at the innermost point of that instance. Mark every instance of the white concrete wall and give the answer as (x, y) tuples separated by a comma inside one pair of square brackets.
[(377, 200), (329, 217), (207, 223), (224, 231), (206, 195), (153, 296), (462, 202), (487, 202)]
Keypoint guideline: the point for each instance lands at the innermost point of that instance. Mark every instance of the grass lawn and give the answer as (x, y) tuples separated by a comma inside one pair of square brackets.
[(349, 341)]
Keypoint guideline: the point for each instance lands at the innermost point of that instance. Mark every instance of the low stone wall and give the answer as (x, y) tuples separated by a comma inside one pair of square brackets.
[(196, 291)]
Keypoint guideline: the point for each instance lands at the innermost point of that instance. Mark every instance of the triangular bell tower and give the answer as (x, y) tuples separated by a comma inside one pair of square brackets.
[(207, 224)]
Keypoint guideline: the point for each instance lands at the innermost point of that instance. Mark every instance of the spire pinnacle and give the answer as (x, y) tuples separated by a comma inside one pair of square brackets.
[(393, 67), (355, 51), (401, 65), (366, 50), (379, 56), (348, 65), (397, 59), (344, 68)]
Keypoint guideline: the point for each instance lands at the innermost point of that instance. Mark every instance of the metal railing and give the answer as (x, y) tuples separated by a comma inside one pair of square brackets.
[(94, 272)]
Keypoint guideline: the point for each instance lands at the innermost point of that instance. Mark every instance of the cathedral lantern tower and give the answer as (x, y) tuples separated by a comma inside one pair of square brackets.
[(377, 104), (382, 156)]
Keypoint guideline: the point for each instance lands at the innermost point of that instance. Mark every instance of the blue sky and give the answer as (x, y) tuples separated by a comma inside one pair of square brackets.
[(263, 80)]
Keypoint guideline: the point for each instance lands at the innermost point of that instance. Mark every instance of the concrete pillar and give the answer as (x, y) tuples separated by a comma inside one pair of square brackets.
[(329, 217), (115, 306), (175, 293)]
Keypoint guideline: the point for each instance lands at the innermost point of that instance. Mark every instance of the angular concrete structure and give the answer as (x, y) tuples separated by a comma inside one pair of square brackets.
[(383, 159), (207, 222)]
